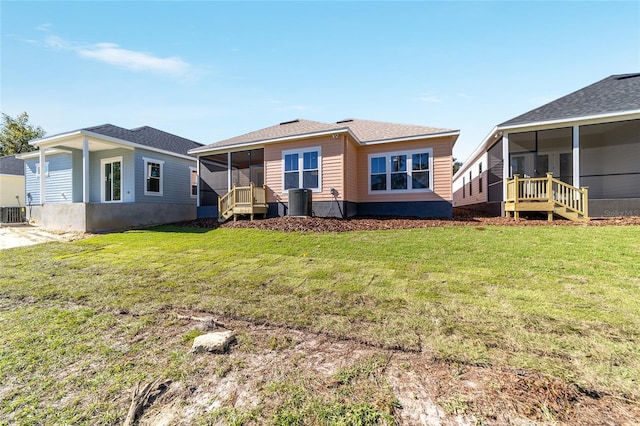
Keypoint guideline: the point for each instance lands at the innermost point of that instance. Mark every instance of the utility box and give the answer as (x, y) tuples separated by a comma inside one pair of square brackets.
[(300, 202)]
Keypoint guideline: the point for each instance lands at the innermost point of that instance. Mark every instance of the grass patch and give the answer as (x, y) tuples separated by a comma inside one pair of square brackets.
[(558, 300)]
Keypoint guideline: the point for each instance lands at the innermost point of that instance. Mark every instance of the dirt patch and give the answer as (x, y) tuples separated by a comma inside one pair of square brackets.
[(27, 235), (460, 218), (428, 391)]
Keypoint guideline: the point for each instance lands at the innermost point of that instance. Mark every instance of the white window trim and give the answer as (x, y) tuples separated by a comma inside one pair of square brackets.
[(161, 184), (191, 170), (301, 152), (409, 154), (103, 177), (46, 169)]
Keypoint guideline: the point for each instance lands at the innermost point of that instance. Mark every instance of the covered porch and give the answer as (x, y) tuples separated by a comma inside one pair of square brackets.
[(231, 184)]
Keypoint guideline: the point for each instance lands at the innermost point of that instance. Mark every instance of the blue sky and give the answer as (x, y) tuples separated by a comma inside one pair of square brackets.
[(212, 70)]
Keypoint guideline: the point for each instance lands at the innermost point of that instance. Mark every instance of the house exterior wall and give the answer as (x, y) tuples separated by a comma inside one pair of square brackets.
[(351, 170), (58, 182), (176, 179), (95, 174), (11, 186), (76, 159), (442, 170), (332, 153), (469, 192)]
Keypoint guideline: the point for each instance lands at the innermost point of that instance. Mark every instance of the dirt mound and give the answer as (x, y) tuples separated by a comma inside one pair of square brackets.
[(460, 218)]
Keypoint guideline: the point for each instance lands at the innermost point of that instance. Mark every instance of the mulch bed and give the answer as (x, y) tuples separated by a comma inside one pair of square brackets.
[(460, 218)]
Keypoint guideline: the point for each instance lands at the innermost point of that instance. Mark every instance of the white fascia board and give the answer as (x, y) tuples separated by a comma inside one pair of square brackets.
[(455, 133), (240, 146), (489, 140), (584, 120), (124, 143), (34, 154)]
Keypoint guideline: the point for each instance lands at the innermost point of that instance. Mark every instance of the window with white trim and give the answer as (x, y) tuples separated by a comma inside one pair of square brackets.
[(405, 171), (153, 175), (302, 169), (46, 169), (194, 181)]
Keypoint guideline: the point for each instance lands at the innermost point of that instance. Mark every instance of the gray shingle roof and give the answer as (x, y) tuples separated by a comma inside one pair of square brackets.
[(364, 130), (10, 165), (616, 93), (147, 136)]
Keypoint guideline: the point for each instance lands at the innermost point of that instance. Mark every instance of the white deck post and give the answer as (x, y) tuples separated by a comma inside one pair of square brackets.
[(505, 164), (576, 156), (228, 171), (85, 170), (197, 182), (42, 176)]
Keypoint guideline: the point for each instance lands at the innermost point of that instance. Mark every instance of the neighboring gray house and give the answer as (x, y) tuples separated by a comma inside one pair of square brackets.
[(107, 178), (589, 138)]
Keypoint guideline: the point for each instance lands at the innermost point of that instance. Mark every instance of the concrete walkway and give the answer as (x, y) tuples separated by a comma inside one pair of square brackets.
[(26, 235)]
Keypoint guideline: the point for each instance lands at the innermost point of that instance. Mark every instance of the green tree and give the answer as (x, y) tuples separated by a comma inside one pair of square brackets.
[(15, 134), (456, 165)]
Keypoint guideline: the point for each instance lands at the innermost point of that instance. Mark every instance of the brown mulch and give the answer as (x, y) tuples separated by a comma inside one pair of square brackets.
[(460, 218)]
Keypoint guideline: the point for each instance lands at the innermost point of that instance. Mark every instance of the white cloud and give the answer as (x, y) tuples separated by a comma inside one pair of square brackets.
[(113, 54), (429, 98), (44, 27)]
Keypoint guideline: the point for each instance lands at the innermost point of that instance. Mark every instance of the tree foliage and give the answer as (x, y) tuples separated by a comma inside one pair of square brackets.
[(15, 134), (456, 165)]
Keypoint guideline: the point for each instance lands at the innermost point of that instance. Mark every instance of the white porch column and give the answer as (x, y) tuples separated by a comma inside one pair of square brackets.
[(85, 170), (576, 156), (197, 182), (228, 171), (42, 176), (506, 169)]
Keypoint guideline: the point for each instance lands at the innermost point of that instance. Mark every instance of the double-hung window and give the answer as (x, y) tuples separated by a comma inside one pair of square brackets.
[(406, 171), (153, 174), (302, 169), (194, 181)]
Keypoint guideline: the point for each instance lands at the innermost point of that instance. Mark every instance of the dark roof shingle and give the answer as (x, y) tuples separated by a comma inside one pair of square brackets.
[(616, 93), (147, 136), (10, 165)]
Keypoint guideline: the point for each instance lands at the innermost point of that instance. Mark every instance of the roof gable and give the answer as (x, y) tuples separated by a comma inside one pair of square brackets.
[(616, 93)]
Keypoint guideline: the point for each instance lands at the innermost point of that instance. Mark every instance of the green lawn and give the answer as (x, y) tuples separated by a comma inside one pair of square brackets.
[(563, 301)]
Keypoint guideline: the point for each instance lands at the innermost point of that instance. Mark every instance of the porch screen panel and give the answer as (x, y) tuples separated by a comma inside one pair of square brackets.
[(555, 154), (610, 159), (522, 152), (495, 172), (213, 179)]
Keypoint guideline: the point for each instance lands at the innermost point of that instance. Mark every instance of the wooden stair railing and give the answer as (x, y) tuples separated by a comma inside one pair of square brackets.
[(547, 194), (242, 200)]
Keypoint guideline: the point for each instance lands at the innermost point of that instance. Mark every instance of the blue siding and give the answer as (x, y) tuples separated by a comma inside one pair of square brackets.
[(176, 179), (95, 175), (58, 184), (77, 175)]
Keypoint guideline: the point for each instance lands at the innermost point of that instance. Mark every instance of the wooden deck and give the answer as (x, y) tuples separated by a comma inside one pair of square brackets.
[(243, 200), (548, 195)]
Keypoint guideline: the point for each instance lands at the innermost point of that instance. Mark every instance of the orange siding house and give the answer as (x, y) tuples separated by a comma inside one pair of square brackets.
[(351, 167)]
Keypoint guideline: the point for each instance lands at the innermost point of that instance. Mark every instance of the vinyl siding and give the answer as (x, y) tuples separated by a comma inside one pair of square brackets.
[(176, 179), (476, 196), (351, 171), (95, 175), (332, 167), (77, 175), (442, 170), (58, 184)]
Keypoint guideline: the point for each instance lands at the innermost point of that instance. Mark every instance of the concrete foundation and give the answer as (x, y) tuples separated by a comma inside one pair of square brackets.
[(98, 217)]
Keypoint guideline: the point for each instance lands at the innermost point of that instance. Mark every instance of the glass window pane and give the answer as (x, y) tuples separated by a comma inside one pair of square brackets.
[(290, 162), (291, 180), (310, 179), (116, 181), (398, 181), (378, 182), (399, 163), (310, 160), (420, 180), (153, 185), (107, 183), (378, 165), (420, 161)]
